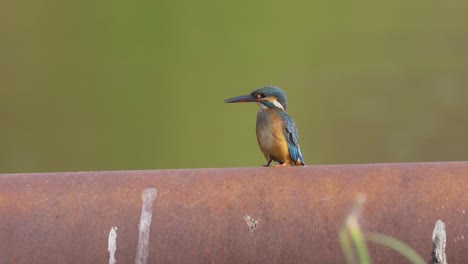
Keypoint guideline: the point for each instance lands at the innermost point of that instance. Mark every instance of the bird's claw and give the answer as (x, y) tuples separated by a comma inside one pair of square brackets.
[(281, 165)]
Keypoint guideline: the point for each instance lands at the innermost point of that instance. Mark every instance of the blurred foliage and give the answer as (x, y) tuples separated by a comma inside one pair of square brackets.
[(112, 85), (353, 239)]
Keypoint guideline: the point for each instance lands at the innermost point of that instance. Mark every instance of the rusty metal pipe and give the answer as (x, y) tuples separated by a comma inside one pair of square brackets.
[(239, 215)]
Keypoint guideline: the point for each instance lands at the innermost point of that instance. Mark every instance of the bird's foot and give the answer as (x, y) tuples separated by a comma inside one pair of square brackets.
[(281, 165), (268, 163)]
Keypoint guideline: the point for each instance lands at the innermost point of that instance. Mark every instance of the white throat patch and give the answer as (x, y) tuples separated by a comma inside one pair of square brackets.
[(275, 103), (262, 106), (278, 104)]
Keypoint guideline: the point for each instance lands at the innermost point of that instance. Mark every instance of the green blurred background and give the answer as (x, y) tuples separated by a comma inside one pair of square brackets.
[(117, 85)]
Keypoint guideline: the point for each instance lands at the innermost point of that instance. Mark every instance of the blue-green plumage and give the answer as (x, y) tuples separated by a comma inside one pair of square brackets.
[(292, 137), (267, 91), (276, 131)]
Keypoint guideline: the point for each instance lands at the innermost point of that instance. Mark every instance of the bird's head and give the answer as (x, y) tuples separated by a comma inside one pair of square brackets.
[(266, 97)]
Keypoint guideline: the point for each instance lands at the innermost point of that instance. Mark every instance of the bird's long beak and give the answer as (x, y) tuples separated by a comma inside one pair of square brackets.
[(241, 99)]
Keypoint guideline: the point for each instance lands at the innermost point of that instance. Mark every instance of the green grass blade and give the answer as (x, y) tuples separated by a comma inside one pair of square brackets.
[(346, 246), (351, 237), (396, 245), (358, 240)]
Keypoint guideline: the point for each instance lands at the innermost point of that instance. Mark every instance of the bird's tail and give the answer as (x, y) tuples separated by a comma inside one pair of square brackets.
[(300, 159)]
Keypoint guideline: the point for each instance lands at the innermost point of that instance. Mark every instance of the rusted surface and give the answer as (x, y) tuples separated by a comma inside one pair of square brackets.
[(245, 215)]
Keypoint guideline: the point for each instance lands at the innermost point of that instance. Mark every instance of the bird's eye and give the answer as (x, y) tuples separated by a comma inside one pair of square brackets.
[(263, 95)]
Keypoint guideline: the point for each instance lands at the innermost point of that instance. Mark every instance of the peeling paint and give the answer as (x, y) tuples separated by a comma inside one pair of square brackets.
[(252, 224), (148, 196), (439, 242), (112, 245)]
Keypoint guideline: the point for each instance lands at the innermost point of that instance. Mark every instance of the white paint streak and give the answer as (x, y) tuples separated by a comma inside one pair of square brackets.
[(439, 242), (112, 245), (148, 197)]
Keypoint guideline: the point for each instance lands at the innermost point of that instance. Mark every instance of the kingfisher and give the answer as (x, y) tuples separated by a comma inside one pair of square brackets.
[(277, 134)]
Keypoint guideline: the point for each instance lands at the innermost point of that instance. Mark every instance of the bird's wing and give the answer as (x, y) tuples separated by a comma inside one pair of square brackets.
[(290, 131)]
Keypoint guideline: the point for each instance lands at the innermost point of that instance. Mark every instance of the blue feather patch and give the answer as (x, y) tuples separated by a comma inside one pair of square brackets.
[(292, 137)]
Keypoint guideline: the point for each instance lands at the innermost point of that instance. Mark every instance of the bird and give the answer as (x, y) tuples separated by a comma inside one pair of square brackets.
[(277, 134)]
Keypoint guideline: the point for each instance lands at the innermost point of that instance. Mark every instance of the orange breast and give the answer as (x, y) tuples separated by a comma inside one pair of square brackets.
[(270, 136)]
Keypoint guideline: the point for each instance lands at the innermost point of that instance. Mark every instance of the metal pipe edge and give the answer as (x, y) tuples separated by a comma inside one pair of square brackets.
[(232, 215)]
